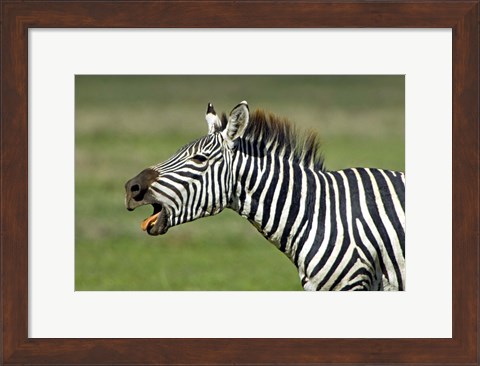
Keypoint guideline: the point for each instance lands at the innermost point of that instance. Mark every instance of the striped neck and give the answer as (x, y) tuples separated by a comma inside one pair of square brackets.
[(270, 190)]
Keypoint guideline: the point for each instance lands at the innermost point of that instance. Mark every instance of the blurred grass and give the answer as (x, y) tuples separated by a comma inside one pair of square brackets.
[(126, 123)]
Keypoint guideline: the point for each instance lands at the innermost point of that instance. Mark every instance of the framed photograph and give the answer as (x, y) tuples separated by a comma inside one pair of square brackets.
[(91, 90)]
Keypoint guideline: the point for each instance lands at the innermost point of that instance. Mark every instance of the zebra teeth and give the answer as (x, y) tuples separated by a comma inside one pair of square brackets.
[(151, 220)]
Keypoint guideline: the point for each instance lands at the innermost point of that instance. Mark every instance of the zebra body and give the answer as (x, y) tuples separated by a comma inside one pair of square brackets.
[(344, 230)]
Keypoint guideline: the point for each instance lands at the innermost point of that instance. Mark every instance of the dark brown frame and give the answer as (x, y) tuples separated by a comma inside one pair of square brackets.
[(18, 17)]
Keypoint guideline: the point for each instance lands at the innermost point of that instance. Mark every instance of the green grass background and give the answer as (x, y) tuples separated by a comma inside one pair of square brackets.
[(126, 123)]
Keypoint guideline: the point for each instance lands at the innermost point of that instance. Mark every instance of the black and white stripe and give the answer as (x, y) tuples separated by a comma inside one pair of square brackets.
[(343, 230)]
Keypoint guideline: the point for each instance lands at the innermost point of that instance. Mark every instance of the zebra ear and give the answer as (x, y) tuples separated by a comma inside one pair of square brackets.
[(237, 122), (214, 123)]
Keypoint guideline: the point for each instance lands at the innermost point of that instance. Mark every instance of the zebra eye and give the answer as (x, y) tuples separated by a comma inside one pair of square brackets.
[(199, 159)]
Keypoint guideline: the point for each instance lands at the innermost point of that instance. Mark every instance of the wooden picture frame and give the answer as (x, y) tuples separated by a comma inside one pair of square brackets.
[(18, 17)]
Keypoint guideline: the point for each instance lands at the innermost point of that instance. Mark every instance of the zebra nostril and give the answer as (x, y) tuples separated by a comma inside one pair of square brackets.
[(135, 188)]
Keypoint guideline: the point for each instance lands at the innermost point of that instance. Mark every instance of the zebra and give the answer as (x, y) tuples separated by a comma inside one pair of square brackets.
[(343, 230)]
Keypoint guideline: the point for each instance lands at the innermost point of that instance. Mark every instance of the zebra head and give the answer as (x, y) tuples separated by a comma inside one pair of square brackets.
[(196, 181)]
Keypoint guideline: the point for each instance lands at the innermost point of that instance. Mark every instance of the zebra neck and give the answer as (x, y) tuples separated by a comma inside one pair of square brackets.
[(272, 194)]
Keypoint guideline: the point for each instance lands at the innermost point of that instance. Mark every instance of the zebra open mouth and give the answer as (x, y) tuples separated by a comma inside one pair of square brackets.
[(157, 223)]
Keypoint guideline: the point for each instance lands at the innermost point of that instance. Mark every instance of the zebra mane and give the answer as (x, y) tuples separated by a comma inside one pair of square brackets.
[(302, 148)]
